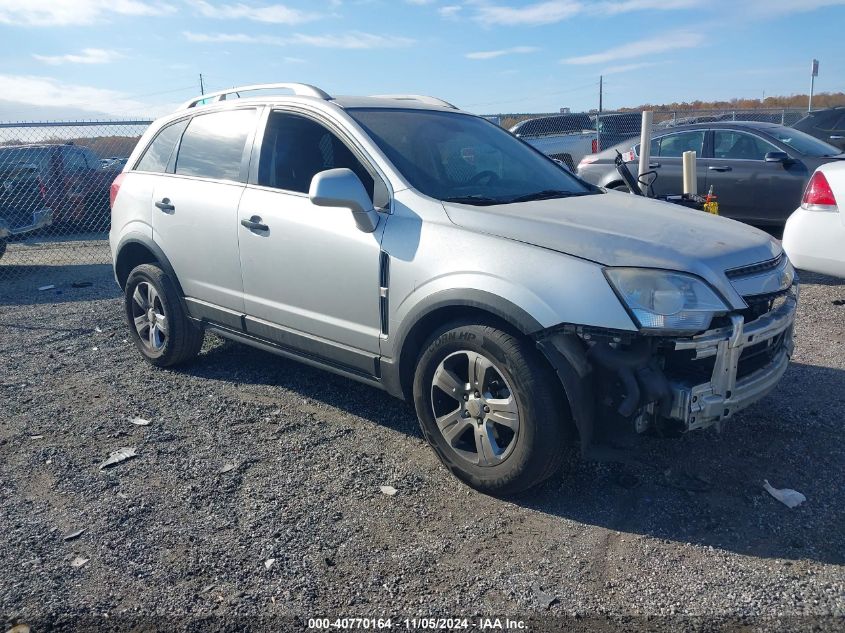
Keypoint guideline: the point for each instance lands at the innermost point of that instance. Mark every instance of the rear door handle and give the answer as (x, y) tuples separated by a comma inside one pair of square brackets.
[(165, 205), (720, 168), (837, 137), (653, 165), (255, 224)]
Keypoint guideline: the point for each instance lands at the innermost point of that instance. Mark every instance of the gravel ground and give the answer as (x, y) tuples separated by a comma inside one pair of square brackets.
[(256, 493)]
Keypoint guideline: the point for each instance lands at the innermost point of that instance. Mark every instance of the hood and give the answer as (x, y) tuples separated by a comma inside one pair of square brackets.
[(620, 229)]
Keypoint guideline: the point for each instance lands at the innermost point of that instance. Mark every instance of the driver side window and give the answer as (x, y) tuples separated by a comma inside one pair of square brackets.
[(296, 148), (729, 144)]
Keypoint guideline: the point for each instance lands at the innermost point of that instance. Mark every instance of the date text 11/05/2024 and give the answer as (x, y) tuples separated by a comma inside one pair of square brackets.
[(430, 624)]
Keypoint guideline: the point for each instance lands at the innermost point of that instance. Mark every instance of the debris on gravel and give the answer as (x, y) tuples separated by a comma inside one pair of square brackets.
[(168, 535), (118, 456)]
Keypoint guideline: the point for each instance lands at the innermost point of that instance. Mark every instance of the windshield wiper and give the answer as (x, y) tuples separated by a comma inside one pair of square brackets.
[(476, 200), (548, 194)]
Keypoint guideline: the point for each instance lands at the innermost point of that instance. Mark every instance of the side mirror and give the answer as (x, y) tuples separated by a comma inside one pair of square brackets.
[(562, 165), (342, 188), (776, 157)]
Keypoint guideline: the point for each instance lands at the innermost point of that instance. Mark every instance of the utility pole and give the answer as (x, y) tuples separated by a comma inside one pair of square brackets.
[(597, 143), (601, 82), (202, 88), (814, 72)]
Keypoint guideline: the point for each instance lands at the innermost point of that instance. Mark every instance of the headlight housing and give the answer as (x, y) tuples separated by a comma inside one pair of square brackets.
[(665, 301)]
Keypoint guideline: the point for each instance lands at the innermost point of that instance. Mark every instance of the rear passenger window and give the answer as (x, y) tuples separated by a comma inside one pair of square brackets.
[(213, 144), (157, 156), (674, 145)]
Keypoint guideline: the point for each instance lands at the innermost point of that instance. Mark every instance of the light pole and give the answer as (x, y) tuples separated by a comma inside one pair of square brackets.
[(814, 72)]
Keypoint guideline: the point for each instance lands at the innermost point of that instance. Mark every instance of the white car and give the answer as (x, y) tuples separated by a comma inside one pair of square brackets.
[(814, 237)]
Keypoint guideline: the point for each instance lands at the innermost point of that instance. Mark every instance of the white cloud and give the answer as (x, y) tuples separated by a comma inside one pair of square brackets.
[(75, 12), (350, 41), (271, 13), (502, 52), (449, 11), (778, 8), (613, 7), (553, 11), (48, 91), (625, 68), (650, 46), (547, 12), (87, 56)]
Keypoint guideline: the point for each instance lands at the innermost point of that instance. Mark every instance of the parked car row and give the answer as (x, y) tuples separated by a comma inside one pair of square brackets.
[(758, 170)]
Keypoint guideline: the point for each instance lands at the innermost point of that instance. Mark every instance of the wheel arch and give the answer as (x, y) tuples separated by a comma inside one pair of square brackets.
[(135, 250), (444, 307)]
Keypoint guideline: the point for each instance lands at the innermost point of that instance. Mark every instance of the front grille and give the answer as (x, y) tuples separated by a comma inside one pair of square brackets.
[(681, 364), (758, 305), (754, 269)]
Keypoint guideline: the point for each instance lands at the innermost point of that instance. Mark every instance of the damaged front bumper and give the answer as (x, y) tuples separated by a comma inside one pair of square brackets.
[(730, 389), (695, 382)]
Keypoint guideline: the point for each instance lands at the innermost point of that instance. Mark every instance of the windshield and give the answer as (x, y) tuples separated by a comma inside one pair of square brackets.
[(803, 143), (16, 157), (462, 158)]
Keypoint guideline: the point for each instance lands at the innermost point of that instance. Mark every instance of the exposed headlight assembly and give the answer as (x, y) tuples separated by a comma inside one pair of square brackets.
[(664, 301)]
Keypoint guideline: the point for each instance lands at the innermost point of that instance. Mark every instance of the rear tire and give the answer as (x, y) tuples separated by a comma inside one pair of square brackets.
[(160, 328), (491, 408)]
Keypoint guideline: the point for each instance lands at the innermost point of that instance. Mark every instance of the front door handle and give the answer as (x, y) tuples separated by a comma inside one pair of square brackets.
[(719, 168), (165, 205), (836, 137), (653, 165), (255, 224)]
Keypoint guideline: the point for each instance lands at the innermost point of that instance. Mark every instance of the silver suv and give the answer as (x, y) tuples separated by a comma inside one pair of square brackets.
[(403, 243)]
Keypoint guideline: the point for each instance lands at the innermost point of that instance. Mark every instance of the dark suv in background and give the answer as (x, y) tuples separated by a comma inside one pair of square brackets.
[(62, 181), (827, 125)]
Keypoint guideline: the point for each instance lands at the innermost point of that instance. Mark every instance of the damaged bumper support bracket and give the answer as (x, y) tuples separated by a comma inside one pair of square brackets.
[(713, 402)]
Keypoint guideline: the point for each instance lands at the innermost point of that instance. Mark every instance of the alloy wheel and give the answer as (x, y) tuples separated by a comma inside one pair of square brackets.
[(474, 408), (149, 317)]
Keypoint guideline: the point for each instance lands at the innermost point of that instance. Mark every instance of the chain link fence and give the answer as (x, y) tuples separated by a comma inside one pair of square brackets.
[(55, 176), (570, 136), (54, 191)]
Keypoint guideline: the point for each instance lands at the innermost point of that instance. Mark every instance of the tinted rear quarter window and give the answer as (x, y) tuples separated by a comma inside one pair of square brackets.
[(157, 156), (213, 145)]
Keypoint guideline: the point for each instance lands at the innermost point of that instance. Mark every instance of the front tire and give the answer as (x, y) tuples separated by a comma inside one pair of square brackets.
[(160, 329), (491, 408)]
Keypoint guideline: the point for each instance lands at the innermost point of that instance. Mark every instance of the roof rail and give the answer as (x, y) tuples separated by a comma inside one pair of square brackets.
[(300, 90), (420, 98)]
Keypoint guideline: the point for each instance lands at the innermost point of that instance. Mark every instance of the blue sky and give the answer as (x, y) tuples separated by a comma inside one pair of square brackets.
[(71, 58)]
